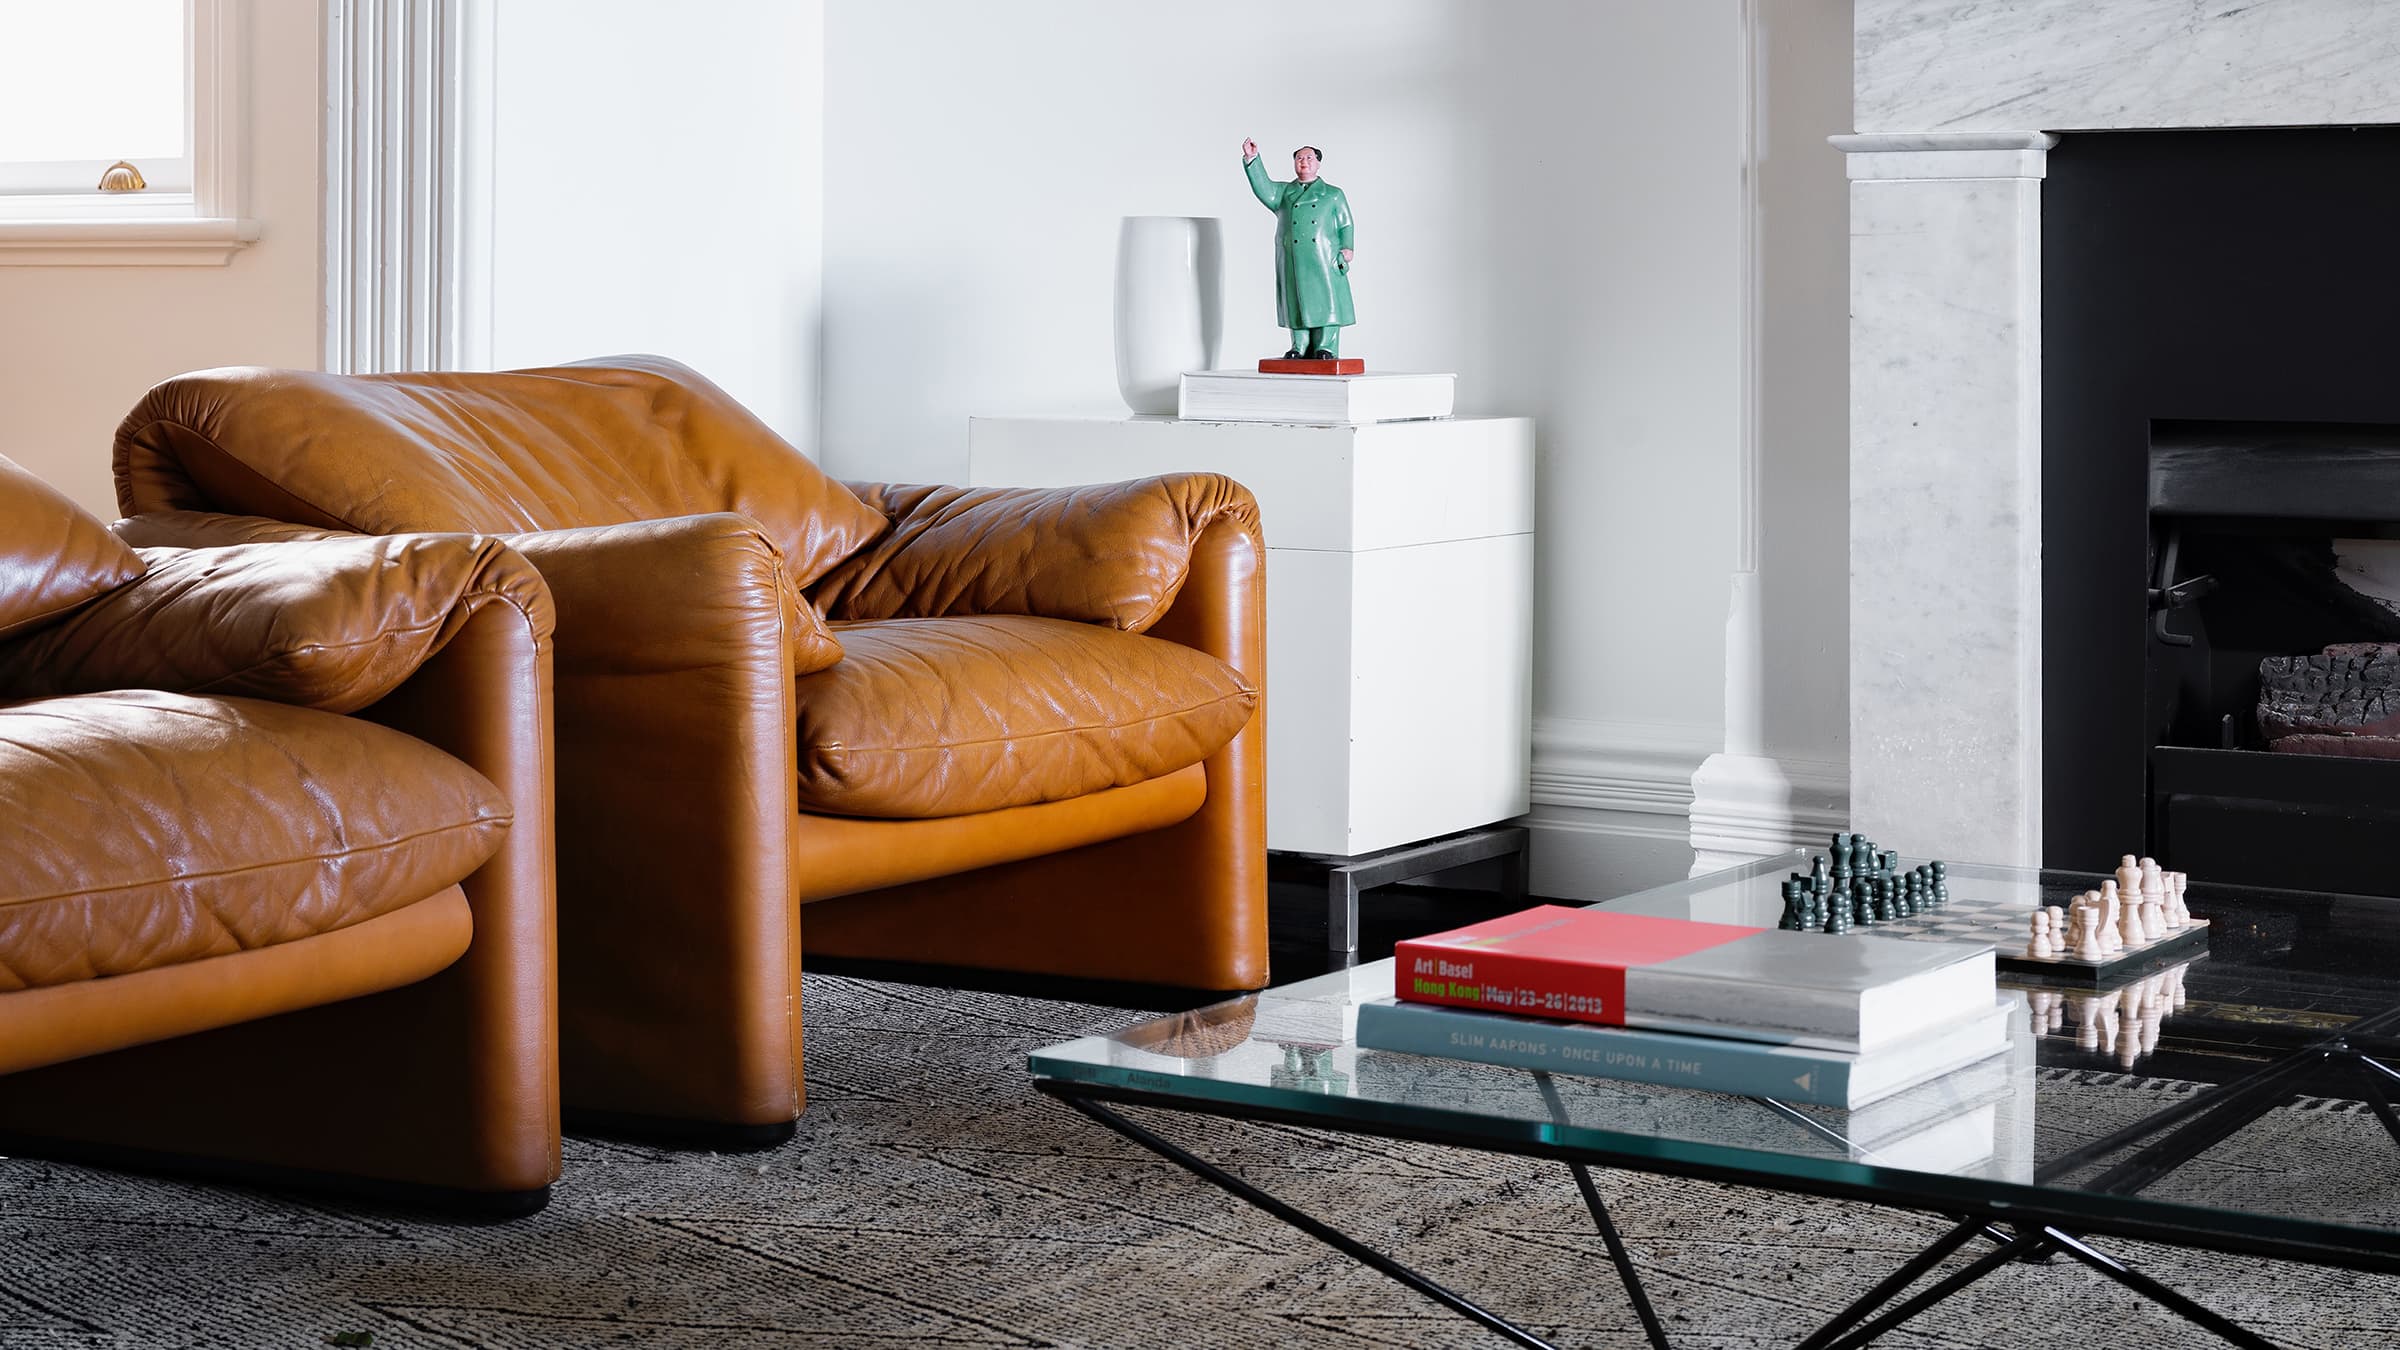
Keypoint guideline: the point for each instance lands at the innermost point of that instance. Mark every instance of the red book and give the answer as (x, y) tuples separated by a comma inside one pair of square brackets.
[(1551, 961), (1841, 992)]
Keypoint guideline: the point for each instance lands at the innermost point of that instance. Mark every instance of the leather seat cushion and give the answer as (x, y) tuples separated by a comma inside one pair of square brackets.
[(149, 829), (54, 556), (944, 717)]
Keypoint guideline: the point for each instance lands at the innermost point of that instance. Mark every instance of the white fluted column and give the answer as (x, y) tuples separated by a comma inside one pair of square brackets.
[(1945, 493)]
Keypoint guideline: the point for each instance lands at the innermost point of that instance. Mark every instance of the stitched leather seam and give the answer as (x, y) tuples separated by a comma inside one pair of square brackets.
[(943, 746), (369, 851)]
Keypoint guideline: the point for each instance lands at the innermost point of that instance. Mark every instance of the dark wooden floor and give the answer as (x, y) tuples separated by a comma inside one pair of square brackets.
[(1295, 942)]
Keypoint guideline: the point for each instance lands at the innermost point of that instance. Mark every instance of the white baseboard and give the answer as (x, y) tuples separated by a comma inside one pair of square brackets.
[(1748, 806), (1612, 804)]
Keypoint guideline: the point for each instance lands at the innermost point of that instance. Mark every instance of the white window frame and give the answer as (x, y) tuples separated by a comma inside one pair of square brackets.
[(199, 227)]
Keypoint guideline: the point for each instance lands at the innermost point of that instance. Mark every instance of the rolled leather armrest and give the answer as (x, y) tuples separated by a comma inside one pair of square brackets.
[(333, 623), (668, 592), (1111, 553), (679, 934)]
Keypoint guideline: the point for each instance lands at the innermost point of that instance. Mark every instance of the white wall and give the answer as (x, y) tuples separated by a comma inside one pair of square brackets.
[(79, 345), (1548, 196), (657, 187)]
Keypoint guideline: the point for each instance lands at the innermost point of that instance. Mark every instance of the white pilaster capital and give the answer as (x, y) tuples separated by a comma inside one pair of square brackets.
[(1902, 156)]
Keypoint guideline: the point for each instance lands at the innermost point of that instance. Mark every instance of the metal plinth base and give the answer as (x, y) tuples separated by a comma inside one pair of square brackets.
[(1346, 877)]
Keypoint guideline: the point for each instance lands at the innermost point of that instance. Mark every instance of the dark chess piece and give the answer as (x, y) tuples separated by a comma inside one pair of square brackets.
[(1941, 882)]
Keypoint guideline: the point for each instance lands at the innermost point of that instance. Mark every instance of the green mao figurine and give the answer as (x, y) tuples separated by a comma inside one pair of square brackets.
[(1312, 252)]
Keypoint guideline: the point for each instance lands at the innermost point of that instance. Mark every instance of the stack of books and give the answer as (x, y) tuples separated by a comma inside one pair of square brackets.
[(1799, 1017)]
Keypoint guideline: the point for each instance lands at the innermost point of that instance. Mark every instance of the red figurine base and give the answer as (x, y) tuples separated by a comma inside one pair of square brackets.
[(1340, 365)]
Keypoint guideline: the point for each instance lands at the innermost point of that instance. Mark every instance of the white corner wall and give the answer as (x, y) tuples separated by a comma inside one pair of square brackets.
[(80, 345), (1548, 196), (657, 186)]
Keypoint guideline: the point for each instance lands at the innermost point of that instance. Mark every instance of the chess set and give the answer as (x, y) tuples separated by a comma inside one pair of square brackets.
[(2136, 919)]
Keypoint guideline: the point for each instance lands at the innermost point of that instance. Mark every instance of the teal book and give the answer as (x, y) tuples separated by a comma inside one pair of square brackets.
[(1788, 1073)]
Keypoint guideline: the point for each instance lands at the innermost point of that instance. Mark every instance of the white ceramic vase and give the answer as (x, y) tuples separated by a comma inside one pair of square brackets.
[(1170, 305)]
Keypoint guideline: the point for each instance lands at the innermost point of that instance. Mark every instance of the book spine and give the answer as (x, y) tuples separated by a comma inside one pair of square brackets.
[(1509, 982), (1718, 1066)]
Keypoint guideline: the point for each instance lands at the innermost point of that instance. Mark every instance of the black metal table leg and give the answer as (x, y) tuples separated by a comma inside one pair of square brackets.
[(2160, 1294), (1626, 1273), (1908, 1274), (1306, 1223), (2378, 1100), (1933, 1293), (1632, 1278)]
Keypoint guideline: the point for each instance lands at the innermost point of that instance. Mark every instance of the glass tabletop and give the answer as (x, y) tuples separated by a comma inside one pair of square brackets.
[(2251, 1070)]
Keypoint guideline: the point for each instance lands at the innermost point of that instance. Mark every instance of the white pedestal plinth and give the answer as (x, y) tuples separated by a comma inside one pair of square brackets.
[(1399, 605)]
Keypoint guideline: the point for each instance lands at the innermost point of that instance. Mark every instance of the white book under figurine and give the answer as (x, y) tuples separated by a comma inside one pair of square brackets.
[(1320, 400)]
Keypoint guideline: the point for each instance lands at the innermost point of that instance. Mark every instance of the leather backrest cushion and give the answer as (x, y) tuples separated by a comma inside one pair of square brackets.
[(603, 442), (54, 556), (333, 624)]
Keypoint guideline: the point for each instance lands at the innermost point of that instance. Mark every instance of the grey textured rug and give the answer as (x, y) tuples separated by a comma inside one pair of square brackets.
[(933, 1199)]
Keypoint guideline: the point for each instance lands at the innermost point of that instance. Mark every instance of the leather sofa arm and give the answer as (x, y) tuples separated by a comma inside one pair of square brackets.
[(1110, 553), (670, 594), (674, 666), (333, 623)]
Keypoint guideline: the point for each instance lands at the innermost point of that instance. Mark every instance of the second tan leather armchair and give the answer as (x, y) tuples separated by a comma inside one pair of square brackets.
[(1016, 730), (276, 896)]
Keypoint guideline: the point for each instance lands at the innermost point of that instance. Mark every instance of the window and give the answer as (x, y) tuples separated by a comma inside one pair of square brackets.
[(86, 84), (82, 86)]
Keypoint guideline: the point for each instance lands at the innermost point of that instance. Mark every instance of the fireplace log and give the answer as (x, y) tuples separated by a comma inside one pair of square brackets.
[(2344, 701)]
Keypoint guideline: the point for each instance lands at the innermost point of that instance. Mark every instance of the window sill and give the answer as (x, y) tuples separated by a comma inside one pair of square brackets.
[(157, 242)]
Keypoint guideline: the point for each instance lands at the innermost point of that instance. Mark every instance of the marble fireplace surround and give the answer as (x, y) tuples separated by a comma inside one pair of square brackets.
[(1957, 104)]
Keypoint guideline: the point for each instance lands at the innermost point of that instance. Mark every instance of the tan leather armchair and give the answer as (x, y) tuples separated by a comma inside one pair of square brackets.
[(276, 892), (1002, 729)]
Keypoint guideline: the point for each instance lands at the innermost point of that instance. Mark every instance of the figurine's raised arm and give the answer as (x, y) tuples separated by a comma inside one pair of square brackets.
[(1269, 192)]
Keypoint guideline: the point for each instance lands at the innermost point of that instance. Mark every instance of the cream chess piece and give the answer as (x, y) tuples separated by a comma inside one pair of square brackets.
[(2129, 878), (2124, 914), (2092, 942), (2041, 945), (2154, 900)]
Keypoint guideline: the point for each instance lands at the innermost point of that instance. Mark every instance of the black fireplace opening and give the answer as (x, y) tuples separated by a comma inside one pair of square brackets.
[(2273, 660), (2221, 504)]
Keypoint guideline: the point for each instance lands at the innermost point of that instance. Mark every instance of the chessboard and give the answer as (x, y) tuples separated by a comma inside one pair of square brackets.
[(2004, 919), (1856, 887)]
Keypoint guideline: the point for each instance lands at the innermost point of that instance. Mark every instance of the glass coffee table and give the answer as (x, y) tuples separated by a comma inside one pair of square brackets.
[(2226, 1101)]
